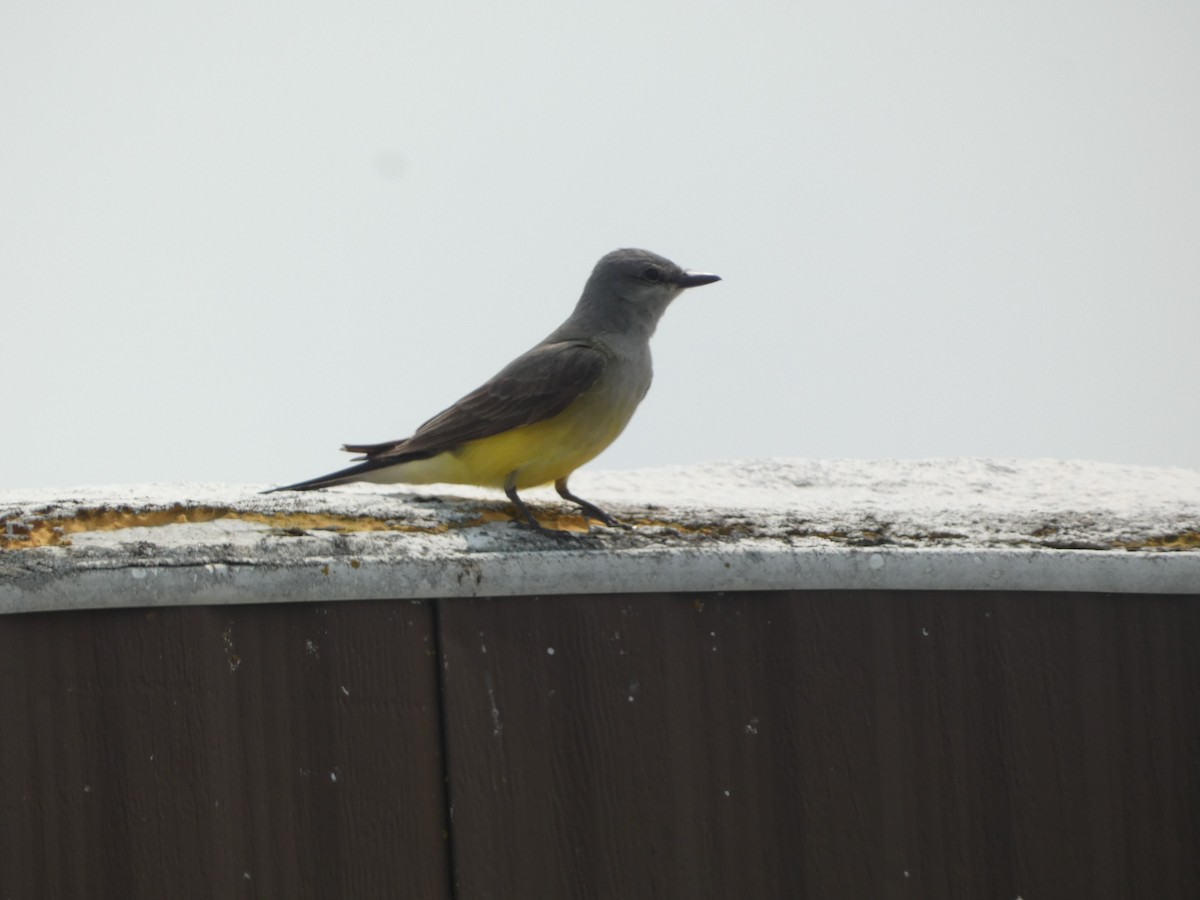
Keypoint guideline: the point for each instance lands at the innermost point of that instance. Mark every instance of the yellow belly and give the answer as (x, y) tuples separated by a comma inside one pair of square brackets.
[(538, 453)]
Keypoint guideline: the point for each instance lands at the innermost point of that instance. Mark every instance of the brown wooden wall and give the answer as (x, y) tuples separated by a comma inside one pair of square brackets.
[(792, 745)]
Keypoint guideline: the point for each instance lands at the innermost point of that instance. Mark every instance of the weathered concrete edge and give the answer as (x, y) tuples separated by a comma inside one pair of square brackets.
[(336, 578)]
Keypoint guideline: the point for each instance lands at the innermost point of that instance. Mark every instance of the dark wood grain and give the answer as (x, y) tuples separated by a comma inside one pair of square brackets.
[(792, 745), (870, 745), (269, 751)]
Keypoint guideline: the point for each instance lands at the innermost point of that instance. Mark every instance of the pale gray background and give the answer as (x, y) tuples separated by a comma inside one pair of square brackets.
[(233, 236)]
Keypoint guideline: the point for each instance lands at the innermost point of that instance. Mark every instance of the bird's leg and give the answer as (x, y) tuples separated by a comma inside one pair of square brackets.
[(590, 509), (510, 488)]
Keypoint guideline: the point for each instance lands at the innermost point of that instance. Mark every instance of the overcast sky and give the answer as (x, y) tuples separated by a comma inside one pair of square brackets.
[(233, 236)]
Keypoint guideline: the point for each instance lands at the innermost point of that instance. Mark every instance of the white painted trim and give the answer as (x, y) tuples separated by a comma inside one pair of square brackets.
[(335, 578)]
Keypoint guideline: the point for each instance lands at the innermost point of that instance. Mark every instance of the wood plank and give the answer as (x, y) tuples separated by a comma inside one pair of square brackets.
[(253, 751), (824, 744)]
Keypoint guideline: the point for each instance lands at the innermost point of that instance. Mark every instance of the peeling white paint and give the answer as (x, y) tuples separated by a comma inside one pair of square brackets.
[(497, 727)]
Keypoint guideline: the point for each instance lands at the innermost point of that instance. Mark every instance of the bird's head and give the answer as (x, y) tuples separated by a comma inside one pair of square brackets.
[(633, 288)]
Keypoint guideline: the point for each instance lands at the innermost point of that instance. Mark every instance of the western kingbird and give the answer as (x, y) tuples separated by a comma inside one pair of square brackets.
[(551, 409)]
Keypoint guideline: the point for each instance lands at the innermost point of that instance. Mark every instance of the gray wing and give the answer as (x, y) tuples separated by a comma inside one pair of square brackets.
[(536, 385)]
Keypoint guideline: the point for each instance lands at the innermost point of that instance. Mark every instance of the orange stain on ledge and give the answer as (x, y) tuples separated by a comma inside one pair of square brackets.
[(56, 531), (18, 534)]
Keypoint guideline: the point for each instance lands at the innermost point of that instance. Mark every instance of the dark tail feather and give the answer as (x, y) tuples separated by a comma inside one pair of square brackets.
[(342, 476), (371, 449)]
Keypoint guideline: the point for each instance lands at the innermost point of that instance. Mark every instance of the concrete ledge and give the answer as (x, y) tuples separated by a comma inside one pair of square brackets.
[(764, 525)]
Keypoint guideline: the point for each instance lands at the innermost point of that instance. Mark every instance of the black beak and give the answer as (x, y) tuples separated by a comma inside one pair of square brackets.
[(695, 279)]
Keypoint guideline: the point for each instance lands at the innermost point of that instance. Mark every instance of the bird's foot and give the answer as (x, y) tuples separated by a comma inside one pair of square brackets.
[(590, 510), (558, 534), (601, 516)]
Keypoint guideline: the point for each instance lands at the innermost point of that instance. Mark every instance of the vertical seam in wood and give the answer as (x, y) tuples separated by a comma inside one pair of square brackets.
[(444, 742)]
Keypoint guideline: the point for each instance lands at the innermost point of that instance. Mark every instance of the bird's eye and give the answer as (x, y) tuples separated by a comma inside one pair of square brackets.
[(652, 274)]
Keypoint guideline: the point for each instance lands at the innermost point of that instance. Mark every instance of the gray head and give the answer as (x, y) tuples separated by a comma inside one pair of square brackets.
[(629, 290)]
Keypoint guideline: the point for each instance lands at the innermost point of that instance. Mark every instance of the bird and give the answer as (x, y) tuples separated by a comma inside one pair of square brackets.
[(550, 410)]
